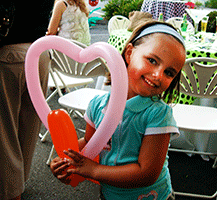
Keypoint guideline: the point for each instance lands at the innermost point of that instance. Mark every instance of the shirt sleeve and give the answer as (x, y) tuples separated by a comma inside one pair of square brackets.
[(161, 121), (88, 116), (93, 115)]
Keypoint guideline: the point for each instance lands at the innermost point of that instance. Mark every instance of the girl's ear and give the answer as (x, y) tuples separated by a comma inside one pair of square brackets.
[(128, 53)]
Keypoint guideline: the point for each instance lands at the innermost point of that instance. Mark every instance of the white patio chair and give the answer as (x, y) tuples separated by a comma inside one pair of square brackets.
[(177, 21), (92, 69), (62, 76), (118, 22), (79, 99), (198, 79)]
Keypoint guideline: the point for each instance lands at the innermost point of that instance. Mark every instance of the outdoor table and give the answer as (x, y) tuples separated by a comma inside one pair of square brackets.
[(201, 47), (168, 8), (197, 15)]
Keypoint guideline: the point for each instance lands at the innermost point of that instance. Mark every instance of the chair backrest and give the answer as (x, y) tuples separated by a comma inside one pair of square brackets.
[(177, 21), (118, 22), (66, 65), (198, 77)]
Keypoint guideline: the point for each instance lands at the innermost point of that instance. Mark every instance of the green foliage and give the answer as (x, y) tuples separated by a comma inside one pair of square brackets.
[(121, 7), (211, 4), (211, 26), (198, 4)]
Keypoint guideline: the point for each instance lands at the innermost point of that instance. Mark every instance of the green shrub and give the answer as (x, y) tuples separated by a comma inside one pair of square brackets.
[(211, 4), (211, 26), (121, 7)]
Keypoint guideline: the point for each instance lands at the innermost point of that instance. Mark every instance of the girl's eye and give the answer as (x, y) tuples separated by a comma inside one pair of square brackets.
[(152, 61), (170, 73)]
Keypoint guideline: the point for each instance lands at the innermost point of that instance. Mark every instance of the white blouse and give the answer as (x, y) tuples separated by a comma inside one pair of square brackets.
[(74, 25)]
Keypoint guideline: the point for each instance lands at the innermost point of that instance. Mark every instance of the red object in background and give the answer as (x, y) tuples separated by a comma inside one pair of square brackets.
[(190, 5), (64, 136), (93, 2)]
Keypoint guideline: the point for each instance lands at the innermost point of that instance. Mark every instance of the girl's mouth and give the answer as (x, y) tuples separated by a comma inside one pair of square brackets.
[(149, 82)]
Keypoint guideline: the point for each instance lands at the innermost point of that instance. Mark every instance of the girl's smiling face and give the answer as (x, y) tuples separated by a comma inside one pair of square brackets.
[(153, 64)]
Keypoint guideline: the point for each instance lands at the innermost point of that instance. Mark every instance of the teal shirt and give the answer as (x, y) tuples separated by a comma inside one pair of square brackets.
[(142, 116)]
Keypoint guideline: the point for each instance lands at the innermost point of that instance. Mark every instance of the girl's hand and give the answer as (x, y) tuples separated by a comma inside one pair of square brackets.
[(83, 166), (58, 167)]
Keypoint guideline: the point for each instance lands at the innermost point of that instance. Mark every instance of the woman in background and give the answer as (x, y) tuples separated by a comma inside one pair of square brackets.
[(19, 122), (70, 20)]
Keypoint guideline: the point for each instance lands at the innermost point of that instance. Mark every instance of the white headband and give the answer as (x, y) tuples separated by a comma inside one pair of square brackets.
[(161, 28)]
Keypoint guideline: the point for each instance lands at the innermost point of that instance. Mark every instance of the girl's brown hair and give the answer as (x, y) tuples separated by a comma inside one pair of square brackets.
[(173, 91), (79, 3)]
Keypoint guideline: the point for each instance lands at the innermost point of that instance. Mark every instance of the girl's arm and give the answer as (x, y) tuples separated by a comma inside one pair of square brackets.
[(88, 134), (142, 174), (58, 10)]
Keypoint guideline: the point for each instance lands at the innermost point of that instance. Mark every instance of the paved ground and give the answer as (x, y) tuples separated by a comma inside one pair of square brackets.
[(188, 174)]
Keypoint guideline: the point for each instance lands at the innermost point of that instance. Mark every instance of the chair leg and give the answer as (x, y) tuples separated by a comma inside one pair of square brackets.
[(215, 163), (50, 158), (76, 114), (196, 195), (51, 95), (43, 137), (198, 153)]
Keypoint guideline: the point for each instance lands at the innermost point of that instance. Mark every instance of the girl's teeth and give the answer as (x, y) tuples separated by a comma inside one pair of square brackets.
[(151, 84)]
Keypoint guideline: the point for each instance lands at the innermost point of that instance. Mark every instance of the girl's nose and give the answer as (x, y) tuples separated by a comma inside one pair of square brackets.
[(157, 75)]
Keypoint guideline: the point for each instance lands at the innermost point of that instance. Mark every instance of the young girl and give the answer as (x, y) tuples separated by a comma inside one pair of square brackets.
[(136, 164), (70, 20)]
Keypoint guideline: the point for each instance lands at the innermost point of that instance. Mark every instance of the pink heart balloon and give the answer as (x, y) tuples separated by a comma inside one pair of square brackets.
[(119, 79)]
